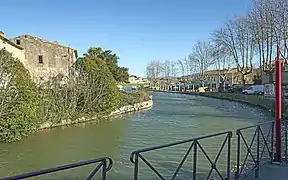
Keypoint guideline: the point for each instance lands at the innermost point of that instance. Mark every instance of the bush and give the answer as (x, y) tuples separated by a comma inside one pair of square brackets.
[(18, 99), (135, 97)]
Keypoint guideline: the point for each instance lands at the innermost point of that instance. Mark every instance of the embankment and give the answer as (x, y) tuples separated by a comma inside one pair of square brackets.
[(266, 103), (125, 109)]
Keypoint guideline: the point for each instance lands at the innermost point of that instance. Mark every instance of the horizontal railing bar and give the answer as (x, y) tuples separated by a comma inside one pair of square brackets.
[(180, 142), (256, 125), (61, 168)]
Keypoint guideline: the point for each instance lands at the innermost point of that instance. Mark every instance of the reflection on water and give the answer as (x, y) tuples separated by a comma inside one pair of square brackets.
[(173, 117)]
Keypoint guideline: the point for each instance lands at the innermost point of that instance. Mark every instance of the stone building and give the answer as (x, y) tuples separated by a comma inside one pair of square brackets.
[(45, 59)]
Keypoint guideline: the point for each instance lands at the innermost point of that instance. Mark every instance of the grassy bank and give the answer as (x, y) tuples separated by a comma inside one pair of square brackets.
[(133, 84), (259, 101)]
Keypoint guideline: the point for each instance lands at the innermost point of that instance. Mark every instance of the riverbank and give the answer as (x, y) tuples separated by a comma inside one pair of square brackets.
[(263, 102), (123, 110)]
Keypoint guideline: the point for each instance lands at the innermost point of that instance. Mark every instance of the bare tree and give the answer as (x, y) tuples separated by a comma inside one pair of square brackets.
[(182, 68), (279, 10), (263, 24), (201, 59), (237, 38), (154, 70), (223, 64), (173, 67)]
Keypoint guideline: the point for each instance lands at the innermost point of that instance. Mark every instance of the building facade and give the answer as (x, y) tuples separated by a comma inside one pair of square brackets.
[(215, 79), (17, 51), (135, 80), (232, 76), (45, 59)]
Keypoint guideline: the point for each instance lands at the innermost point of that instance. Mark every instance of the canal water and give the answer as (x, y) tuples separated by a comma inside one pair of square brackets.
[(173, 117)]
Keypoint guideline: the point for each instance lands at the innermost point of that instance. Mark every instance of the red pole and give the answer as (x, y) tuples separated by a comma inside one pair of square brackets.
[(278, 107)]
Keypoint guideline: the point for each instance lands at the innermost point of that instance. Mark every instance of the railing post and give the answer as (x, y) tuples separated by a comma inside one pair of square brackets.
[(229, 156), (278, 107), (285, 124), (136, 166), (237, 174), (257, 151), (104, 165), (272, 142), (195, 160)]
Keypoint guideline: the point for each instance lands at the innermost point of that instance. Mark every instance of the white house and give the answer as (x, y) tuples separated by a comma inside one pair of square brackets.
[(16, 50), (135, 80)]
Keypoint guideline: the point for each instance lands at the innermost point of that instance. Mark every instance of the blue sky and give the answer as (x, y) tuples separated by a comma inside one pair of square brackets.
[(137, 30)]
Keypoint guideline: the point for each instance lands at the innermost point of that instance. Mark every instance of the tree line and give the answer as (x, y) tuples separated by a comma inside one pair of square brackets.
[(244, 42), (92, 91)]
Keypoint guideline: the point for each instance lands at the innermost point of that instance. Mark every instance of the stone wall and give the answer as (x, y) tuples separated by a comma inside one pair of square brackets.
[(125, 109), (46, 58)]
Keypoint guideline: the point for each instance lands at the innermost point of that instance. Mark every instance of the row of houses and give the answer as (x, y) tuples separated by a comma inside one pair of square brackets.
[(42, 58), (226, 78), (214, 78), (258, 76)]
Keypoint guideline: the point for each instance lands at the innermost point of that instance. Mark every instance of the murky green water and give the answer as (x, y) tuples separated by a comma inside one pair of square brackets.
[(173, 117)]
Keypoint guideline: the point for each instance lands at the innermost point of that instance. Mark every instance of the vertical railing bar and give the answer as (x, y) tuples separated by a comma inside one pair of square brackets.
[(229, 156), (195, 160), (237, 176), (182, 162), (285, 123), (257, 155), (272, 142), (136, 166), (104, 167)]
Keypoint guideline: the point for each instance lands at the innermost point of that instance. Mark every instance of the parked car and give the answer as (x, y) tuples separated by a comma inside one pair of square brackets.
[(234, 89), (254, 89)]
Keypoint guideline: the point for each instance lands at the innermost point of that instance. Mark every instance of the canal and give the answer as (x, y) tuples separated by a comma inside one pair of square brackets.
[(173, 117)]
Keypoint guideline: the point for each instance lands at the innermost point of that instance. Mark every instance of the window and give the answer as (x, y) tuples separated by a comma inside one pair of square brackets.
[(18, 41), (40, 59)]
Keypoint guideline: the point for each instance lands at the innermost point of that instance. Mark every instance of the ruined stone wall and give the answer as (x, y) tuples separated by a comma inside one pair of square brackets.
[(46, 59)]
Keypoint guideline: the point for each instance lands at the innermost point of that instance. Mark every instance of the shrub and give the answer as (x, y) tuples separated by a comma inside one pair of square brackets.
[(18, 99)]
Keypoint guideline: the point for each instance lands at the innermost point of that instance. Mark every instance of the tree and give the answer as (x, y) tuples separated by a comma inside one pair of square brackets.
[(153, 71), (223, 64), (201, 59), (263, 24), (173, 67), (18, 99), (279, 10), (103, 94), (120, 74), (182, 69), (237, 38)]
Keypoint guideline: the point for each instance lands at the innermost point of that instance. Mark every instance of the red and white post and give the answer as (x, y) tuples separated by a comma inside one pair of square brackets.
[(278, 103)]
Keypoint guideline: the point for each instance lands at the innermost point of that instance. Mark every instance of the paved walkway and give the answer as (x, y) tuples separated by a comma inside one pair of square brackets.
[(273, 172)]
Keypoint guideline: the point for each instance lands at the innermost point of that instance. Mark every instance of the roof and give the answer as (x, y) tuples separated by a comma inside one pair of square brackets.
[(11, 43), (44, 40)]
